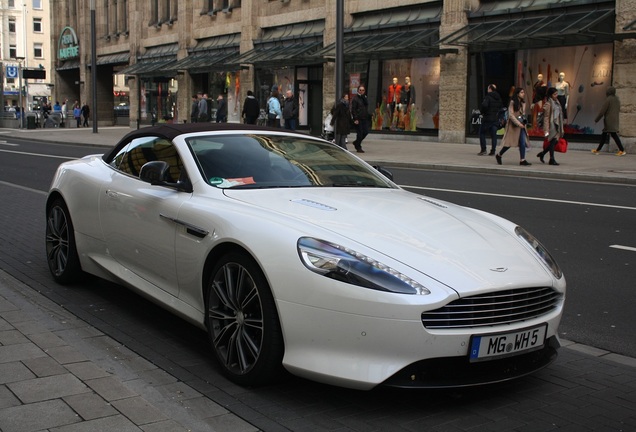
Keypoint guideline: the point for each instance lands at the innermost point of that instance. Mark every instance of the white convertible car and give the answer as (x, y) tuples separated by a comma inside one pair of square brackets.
[(295, 254)]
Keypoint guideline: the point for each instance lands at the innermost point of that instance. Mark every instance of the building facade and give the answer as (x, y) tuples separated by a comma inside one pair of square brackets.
[(426, 64), (25, 26)]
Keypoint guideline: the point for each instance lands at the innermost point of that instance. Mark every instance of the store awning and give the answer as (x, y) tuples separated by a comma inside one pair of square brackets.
[(392, 44), (68, 65), (219, 53), (289, 45), (154, 61), (559, 24), (116, 58), (398, 33)]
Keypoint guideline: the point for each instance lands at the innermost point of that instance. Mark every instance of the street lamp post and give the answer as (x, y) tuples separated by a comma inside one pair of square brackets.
[(19, 59), (339, 48), (93, 66)]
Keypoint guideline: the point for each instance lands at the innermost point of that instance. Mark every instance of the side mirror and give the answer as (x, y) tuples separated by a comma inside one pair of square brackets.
[(385, 172), (157, 172)]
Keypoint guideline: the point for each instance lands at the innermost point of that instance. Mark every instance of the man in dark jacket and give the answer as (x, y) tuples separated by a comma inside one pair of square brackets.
[(251, 109), (221, 109), (360, 115), (290, 111), (489, 122)]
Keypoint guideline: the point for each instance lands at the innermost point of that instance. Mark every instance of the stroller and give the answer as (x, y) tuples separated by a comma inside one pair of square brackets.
[(327, 129)]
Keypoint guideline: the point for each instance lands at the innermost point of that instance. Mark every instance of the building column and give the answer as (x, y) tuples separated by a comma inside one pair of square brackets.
[(453, 81), (624, 73)]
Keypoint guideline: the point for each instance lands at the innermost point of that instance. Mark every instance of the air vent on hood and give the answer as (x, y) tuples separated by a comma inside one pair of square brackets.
[(430, 201), (314, 204)]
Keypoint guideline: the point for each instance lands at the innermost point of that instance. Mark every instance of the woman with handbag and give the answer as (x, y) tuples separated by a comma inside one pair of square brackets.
[(552, 125), (515, 134)]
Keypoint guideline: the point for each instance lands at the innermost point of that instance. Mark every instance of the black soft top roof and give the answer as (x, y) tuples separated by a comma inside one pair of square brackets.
[(169, 131)]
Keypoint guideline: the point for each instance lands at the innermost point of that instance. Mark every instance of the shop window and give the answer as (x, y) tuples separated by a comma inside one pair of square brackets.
[(37, 50), (37, 25)]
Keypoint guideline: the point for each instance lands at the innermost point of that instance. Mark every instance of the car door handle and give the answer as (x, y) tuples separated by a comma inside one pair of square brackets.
[(111, 193)]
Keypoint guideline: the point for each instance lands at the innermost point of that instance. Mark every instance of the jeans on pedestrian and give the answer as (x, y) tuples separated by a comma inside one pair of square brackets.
[(362, 130), (290, 123), (490, 128), (522, 145)]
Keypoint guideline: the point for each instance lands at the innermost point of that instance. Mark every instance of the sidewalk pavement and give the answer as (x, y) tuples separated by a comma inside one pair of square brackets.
[(422, 152), (60, 374)]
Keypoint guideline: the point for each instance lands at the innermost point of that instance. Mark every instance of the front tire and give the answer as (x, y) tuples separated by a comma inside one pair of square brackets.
[(242, 321), (61, 251)]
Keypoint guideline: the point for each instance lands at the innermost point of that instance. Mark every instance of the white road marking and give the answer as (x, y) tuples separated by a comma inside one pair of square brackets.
[(3, 142), (38, 154), (627, 248), (23, 188), (524, 197)]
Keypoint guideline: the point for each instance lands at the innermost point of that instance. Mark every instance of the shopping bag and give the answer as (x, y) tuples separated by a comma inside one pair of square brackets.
[(561, 145)]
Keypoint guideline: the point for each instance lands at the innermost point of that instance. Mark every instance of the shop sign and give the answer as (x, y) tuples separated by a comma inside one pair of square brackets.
[(68, 44)]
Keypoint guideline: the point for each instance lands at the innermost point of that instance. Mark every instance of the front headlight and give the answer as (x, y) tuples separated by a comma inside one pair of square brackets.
[(346, 265), (541, 251)]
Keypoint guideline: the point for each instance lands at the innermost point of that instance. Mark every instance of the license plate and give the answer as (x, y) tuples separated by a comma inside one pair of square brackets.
[(492, 346)]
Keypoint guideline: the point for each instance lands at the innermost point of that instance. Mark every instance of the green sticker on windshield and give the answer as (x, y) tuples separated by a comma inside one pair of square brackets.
[(216, 181)]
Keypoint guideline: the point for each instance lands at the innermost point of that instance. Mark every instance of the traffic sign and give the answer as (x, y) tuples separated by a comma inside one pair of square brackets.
[(12, 72)]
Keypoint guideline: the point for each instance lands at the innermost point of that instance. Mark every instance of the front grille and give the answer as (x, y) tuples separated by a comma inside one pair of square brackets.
[(502, 307)]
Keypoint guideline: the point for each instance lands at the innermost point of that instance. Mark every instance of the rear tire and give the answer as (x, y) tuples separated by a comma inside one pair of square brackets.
[(61, 251), (242, 321)]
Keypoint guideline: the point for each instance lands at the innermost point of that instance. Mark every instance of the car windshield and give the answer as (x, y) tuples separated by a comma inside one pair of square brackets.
[(252, 161)]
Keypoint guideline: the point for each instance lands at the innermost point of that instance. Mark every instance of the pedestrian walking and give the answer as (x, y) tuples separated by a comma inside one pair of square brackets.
[(274, 112), (251, 108), (194, 109), (64, 112), (515, 134), (341, 121), (552, 124), (86, 112), (77, 113), (221, 109), (202, 108), (490, 107), (610, 113), (360, 115), (290, 111)]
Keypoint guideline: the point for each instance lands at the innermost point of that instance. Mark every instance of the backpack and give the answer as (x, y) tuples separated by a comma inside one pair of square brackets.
[(502, 117)]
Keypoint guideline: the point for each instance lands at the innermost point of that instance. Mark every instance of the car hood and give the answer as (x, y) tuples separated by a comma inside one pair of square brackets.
[(467, 250)]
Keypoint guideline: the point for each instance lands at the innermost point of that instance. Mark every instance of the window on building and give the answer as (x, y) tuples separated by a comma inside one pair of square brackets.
[(13, 51), (154, 12), (11, 4), (10, 80), (37, 25), (11, 25), (37, 4), (38, 51)]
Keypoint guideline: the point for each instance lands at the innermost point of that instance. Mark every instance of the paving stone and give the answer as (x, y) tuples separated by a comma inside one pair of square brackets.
[(66, 354), (90, 406), (14, 371), (117, 423), (11, 353), (202, 407), (86, 370), (12, 337), (110, 388), (46, 340), (6, 305), (229, 422), (44, 366), (41, 389), (164, 426), (7, 398), (139, 410), (50, 414), (4, 325)]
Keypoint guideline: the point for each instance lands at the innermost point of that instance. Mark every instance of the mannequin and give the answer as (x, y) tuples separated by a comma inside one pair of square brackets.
[(563, 93), (408, 93), (539, 93), (393, 101)]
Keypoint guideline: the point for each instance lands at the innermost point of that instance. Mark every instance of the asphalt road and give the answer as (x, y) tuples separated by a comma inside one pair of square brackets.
[(600, 301)]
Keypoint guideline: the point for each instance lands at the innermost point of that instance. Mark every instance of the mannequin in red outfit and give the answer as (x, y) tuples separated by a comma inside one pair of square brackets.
[(393, 100)]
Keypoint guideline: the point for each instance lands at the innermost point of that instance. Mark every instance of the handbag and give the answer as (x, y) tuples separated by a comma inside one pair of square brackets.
[(561, 146), (271, 116)]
